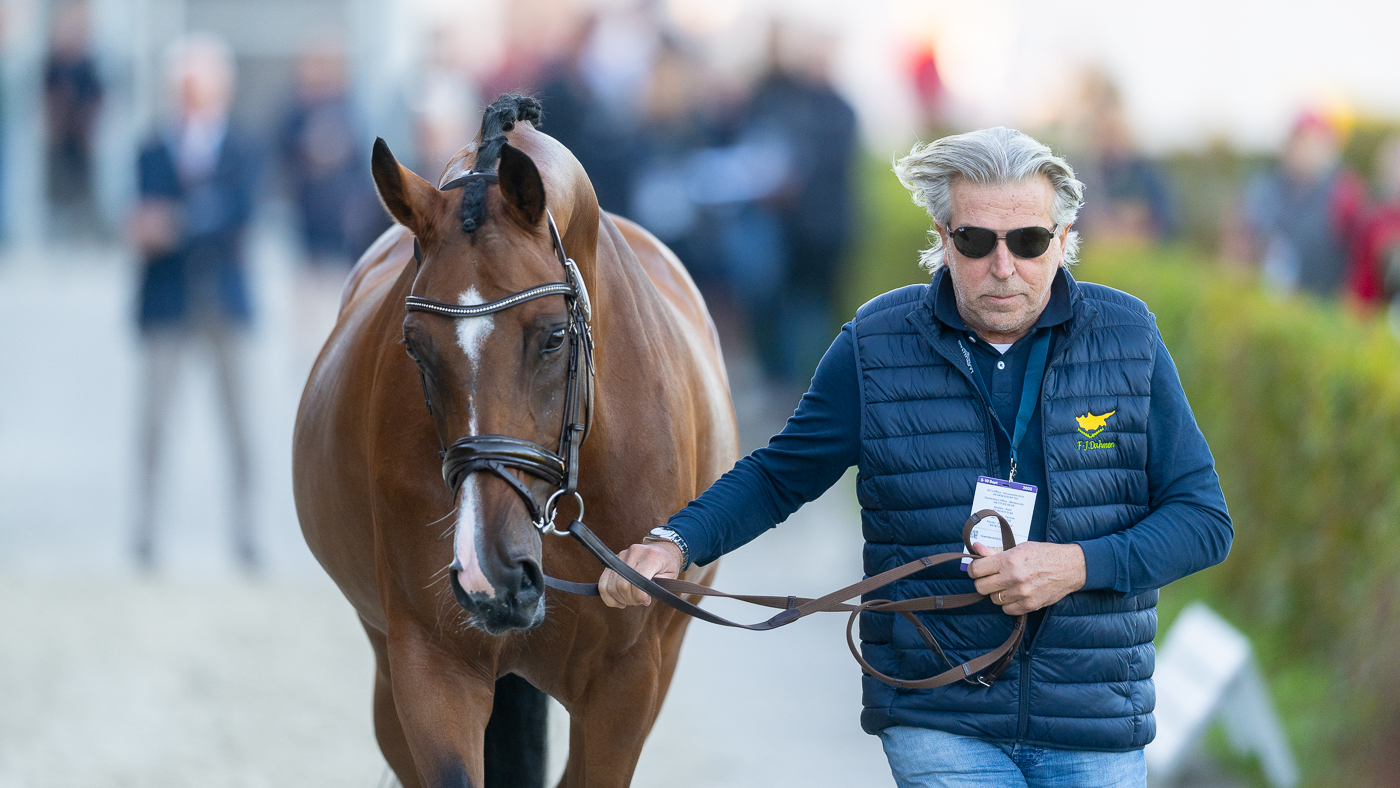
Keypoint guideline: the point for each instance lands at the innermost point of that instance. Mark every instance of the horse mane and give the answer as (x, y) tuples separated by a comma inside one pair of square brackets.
[(499, 118)]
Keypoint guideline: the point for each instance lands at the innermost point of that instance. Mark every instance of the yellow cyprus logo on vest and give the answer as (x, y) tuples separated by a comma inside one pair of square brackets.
[(1090, 426)]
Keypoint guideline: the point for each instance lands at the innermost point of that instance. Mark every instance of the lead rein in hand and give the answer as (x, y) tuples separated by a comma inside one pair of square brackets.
[(983, 670)]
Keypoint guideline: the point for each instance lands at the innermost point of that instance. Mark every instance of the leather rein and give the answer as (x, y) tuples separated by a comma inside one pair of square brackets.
[(498, 454)]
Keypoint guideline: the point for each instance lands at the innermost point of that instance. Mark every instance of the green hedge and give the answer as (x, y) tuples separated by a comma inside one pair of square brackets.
[(1300, 403)]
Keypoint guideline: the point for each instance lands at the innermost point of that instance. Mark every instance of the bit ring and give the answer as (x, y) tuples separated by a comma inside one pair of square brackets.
[(551, 507)]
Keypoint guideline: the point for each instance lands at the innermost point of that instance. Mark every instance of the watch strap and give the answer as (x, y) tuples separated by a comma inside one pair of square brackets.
[(670, 534)]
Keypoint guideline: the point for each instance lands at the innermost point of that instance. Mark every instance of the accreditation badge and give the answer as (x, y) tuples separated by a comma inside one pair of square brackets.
[(1012, 500)]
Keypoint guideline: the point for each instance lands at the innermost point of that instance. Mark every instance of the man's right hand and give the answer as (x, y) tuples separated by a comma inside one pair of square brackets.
[(653, 559), (154, 227)]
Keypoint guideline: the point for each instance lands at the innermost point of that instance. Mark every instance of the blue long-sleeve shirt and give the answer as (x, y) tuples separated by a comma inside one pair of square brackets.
[(1187, 529)]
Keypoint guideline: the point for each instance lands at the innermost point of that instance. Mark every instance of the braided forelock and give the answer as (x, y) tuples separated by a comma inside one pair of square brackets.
[(499, 118)]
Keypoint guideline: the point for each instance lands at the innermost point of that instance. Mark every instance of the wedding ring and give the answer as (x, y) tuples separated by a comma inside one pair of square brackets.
[(998, 599)]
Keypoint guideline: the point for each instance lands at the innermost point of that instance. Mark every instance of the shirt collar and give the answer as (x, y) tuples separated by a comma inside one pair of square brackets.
[(1057, 311)]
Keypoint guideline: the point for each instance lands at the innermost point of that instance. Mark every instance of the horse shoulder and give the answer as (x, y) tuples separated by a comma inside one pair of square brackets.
[(330, 462), (718, 439)]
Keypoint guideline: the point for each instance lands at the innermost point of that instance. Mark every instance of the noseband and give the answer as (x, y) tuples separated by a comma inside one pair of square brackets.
[(499, 454)]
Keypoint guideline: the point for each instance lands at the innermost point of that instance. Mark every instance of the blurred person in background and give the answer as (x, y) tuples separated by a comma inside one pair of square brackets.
[(323, 149), (798, 231), (928, 388), (446, 105), (929, 91), (664, 198), (1375, 267), (1302, 216), (1132, 203), (614, 67), (72, 101), (197, 178), (536, 32), (565, 93)]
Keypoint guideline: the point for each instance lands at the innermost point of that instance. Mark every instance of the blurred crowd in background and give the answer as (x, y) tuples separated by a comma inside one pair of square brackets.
[(750, 174), (750, 167)]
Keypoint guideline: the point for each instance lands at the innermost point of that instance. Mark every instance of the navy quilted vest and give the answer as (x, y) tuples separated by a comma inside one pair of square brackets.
[(1085, 682)]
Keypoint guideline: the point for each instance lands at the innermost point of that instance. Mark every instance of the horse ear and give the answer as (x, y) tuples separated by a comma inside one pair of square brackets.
[(405, 195), (521, 185)]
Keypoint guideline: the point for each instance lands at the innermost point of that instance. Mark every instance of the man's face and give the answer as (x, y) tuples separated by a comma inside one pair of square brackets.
[(1311, 152), (203, 85), (1000, 296)]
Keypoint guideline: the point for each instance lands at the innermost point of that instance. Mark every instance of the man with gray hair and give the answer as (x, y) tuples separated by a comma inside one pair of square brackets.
[(1002, 384), (197, 180)]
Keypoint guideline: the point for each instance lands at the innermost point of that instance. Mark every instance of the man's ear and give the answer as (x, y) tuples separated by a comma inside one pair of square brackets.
[(521, 186), (405, 196), (1064, 242)]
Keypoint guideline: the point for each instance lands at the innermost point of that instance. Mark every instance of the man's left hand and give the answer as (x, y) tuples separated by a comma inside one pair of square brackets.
[(1029, 576)]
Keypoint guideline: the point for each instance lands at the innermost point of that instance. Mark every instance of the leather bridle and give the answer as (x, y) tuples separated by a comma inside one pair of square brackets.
[(499, 454)]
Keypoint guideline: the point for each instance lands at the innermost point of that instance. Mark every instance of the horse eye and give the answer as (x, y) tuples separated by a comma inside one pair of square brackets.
[(556, 340), (408, 348)]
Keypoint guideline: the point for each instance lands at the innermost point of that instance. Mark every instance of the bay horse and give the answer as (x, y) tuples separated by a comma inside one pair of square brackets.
[(448, 579)]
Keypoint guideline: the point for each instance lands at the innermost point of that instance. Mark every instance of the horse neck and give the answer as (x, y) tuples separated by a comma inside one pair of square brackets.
[(628, 304), (630, 316)]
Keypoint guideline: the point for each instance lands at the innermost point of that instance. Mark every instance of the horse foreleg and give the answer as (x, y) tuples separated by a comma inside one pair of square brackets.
[(608, 727), (388, 731), (443, 706)]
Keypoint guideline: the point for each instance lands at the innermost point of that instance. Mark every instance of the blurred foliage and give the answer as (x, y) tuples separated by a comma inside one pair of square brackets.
[(1300, 402), (1364, 141), (1207, 184), (1206, 188), (892, 231)]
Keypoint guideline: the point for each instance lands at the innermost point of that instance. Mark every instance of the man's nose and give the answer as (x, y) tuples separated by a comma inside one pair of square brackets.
[(1003, 263)]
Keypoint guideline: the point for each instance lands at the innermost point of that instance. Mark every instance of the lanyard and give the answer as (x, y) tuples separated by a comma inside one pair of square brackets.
[(1030, 391)]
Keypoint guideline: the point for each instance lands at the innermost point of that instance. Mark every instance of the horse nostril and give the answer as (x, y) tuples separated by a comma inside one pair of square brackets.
[(531, 577)]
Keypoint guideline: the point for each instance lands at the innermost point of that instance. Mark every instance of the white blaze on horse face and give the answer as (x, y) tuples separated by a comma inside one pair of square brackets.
[(471, 336), (470, 577), (472, 331)]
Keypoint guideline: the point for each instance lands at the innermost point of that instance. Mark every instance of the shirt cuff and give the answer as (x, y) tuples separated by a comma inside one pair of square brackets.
[(1100, 564), (686, 527)]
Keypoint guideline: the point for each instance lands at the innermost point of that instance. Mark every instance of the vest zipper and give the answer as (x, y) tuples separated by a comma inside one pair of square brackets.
[(988, 431), (1061, 348), (1023, 718)]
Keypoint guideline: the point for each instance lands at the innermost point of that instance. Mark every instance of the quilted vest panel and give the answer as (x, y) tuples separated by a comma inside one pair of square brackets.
[(1085, 683)]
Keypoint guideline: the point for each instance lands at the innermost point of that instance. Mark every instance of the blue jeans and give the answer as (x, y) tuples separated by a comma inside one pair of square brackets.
[(923, 758)]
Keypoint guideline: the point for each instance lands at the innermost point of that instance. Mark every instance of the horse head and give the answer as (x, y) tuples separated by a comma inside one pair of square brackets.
[(497, 378)]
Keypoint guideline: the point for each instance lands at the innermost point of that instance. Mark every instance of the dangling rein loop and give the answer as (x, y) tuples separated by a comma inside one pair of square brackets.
[(983, 670)]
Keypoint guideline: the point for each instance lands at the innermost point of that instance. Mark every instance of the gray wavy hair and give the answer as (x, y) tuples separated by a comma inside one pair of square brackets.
[(990, 157)]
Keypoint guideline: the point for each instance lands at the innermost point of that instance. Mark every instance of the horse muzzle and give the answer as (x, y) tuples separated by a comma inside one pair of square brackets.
[(515, 600)]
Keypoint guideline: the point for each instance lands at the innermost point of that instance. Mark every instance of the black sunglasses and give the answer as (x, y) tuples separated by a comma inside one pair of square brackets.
[(1024, 242)]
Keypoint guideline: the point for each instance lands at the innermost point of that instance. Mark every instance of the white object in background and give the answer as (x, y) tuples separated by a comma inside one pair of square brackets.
[(1206, 670)]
